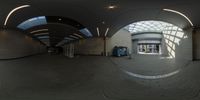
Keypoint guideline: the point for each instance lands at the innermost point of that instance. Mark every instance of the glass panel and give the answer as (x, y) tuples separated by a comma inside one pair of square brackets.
[(86, 32), (147, 26), (32, 22)]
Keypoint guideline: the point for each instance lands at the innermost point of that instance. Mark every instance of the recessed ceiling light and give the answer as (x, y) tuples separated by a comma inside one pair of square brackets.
[(78, 35), (59, 19), (112, 7)]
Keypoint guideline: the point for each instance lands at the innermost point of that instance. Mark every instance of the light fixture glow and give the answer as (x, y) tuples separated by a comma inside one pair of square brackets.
[(12, 11), (73, 37), (174, 11), (112, 7), (86, 32), (98, 31), (41, 30), (106, 32), (78, 35), (152, 77), (41, 34)]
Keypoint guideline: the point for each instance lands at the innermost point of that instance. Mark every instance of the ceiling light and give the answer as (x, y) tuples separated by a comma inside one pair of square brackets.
[(78, 35), (12, 11), (41, 34), (73, 36), (40, 30), (59, 19), (177, 12), (106, 32), (112, 7), (98, 31)]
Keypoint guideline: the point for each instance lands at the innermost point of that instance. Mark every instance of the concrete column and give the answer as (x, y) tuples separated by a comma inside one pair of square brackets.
[(104, 40), (69, 50), (160, 50), (196, 43)]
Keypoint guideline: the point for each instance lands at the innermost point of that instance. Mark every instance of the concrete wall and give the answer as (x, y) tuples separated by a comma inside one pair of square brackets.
[(184, 49), (134, 46), (164, 51), (91, 46), (14, 44), (121, 38), (196, 44)]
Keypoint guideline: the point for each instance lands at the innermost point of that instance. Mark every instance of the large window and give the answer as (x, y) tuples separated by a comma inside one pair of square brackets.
[(145, 48)]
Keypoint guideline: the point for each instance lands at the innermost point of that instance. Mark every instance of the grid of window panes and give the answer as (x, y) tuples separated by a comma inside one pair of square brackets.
[(147, 26), (146, 48), (173, 36)]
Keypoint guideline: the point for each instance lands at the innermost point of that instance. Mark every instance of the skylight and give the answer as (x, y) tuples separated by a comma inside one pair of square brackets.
[(41, 20), (147, 26), (86, 32)]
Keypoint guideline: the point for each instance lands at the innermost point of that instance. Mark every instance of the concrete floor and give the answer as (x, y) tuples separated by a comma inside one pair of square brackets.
[(54, 77)]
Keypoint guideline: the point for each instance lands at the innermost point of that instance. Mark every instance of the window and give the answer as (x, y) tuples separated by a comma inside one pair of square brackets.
[(146, 48)]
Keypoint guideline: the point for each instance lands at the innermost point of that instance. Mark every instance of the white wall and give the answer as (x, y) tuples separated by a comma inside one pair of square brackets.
[(14, 44), (184, 49), (121, 38), (164, 51)]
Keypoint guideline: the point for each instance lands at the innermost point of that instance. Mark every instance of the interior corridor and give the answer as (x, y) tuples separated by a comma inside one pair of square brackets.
[(99, 50)]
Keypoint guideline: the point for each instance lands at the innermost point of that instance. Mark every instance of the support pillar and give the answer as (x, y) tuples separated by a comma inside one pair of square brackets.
[(104, 53)]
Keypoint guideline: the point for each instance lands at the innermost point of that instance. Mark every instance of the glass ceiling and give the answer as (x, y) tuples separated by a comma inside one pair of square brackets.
[(147, 26), (41, 20)]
